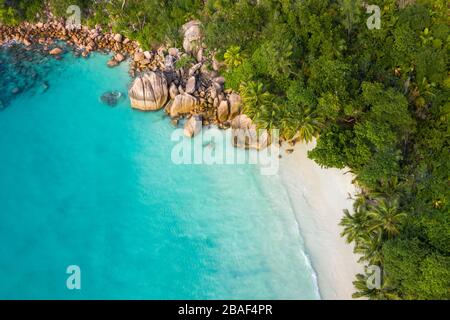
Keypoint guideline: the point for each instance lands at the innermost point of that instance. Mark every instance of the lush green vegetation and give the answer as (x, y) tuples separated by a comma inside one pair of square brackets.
[(12, 12), (149, 22), (378, 101)]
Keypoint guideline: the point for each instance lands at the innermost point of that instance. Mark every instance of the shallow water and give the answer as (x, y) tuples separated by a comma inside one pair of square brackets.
[(83, 183)]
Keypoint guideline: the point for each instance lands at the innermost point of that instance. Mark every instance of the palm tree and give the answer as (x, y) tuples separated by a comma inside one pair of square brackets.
[(391, 187), (421, 92), (308, 126), (301, 122), (268, 116), (361, 200), (233, 57), (355, 226), (386, 218), (364, 199), (255, 98), (369, 246), (363, 290)]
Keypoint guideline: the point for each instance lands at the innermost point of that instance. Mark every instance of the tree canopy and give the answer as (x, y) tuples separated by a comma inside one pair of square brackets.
[(376, 99)]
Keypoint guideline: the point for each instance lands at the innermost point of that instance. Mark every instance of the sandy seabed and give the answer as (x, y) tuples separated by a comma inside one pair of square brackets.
[(318, 196)]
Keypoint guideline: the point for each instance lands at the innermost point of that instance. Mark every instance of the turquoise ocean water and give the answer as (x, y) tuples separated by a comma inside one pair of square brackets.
[(83, 183)]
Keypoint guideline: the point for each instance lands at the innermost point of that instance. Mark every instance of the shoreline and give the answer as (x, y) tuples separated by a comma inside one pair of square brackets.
[(83, 41), (194, 89), (318, 196), (316, 217)]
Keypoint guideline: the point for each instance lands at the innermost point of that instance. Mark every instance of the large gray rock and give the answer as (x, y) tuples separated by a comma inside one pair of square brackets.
[(192, 34), (118, 37), (194, 69), (220, 80), (149, 92), (193, 126), (182, 104), (119, 57), (173, 52), (169, 62), (148, 55), (199, 55), (223, 111), (216, 102), (112, 63), (215, 64), (213, 92), (235, 103), (245, 134), (190, 85), (241, 122), (173, 91), (139, 56)]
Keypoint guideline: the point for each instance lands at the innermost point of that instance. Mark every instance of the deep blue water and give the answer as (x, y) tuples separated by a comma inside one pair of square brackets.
[(83, 183)]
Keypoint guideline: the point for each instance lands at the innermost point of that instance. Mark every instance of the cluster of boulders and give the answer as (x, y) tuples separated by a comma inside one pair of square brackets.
[(84, 40), (194, 90), (182, 96)]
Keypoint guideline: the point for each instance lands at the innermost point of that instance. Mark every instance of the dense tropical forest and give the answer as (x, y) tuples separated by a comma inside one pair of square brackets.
[(376, 99)]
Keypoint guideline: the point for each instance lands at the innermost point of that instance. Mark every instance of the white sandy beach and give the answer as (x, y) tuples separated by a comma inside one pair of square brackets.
[(318, 197)]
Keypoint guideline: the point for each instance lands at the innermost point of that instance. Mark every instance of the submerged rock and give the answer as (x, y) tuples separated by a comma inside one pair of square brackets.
[(15, 90), (55, 51), (44, 87), (149, 92), (174, 122), (112, 63), (111, 98)]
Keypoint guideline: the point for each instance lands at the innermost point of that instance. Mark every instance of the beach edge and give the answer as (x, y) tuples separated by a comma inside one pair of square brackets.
[(318, 197)]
